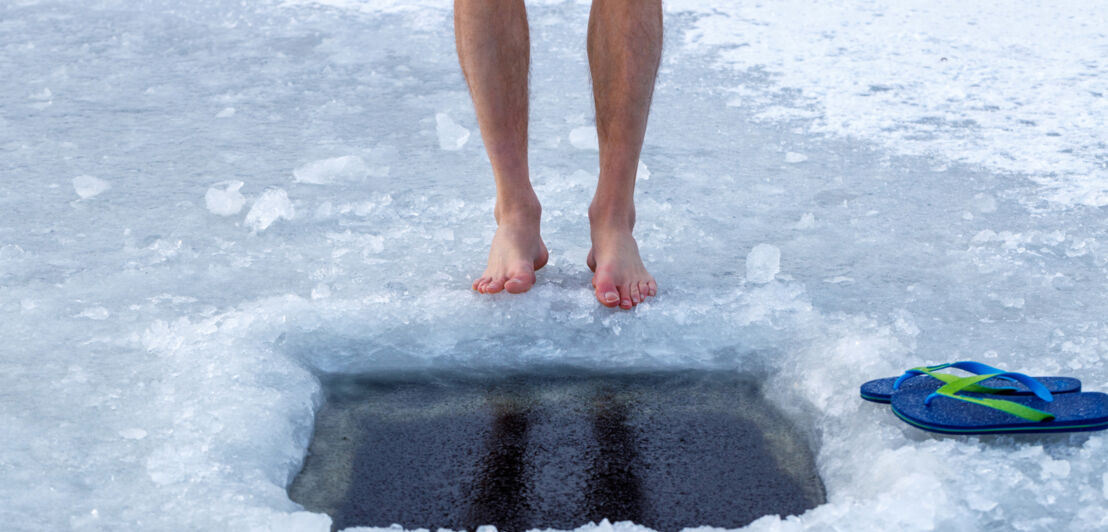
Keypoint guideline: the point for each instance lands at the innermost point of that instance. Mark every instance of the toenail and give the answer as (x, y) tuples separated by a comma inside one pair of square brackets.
[(611, 296)]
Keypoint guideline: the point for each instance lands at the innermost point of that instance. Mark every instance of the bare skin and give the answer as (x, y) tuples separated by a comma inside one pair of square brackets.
[(624, 48), (494, 51)]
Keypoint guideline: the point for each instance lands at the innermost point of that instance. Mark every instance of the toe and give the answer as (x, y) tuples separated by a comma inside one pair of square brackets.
[(494, 286), (606, 291), (520, 283), (653, 287), (636, 294), (625, 297), (477, 283)]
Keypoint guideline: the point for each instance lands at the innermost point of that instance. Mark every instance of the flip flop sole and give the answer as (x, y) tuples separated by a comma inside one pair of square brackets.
[(1074, 412), (881, 390)]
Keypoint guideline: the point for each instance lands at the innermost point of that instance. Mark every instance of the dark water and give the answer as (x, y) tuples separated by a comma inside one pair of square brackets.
[(665, 450)]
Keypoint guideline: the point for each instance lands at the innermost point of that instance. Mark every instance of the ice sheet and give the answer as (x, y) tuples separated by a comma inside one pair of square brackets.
[(160, 359)]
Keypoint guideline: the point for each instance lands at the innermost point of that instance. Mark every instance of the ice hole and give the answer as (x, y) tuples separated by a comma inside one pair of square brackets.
[(553, 449)]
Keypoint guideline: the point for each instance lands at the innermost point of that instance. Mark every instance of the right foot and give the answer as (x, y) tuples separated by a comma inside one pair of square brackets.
[(517, 251)]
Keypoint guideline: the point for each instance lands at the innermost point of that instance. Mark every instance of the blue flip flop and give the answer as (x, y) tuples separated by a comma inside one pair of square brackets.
[(928, 378), (947, 410)]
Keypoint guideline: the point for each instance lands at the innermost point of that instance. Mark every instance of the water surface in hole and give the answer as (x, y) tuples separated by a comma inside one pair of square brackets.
[(664, 449)]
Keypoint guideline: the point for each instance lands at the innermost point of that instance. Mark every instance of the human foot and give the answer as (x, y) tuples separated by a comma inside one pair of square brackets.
[(620, 277), (517, 251)]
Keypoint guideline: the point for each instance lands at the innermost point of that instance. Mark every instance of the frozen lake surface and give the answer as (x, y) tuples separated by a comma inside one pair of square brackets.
[(207, 205), (550, 449)]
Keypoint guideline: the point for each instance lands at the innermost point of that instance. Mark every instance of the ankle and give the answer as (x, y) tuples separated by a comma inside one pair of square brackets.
[(518, 211), (611, 217)]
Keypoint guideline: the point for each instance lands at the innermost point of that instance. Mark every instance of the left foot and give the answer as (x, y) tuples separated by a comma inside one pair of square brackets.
[(619, 275)]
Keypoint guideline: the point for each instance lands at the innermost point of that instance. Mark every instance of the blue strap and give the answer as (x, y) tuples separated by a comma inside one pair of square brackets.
[(953, 388), (976, 368)]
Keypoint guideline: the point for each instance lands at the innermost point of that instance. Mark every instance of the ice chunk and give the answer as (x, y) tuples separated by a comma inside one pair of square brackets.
[(763, 263), (87, 186), (584, 138), (984, 203), (321, 291), (792, 157), (272, 205), (11, 252), (325, 171), (95, 313), (451, 135), (133, 433), (644, 172), (1055, 468), (224, 198), (227, 112), (807, 221)]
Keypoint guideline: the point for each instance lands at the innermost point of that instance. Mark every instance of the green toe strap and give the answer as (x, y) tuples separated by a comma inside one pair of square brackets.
[(965, 384)]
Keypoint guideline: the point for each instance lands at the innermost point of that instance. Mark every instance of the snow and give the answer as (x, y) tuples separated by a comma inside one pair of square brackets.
[(140, 310), (1013, 86)]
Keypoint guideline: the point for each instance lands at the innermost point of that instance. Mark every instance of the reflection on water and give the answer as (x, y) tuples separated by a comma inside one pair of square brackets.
[(667, 450)]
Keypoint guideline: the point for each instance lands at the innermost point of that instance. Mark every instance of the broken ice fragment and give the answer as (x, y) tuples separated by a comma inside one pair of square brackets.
[(87, 186), (271, 206), (584, 138), (763, 263), (224, 198), (325, 171), (451, 135)]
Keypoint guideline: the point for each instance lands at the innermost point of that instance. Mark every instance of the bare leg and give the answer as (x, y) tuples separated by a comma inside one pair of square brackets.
[(494, 51), (625, 47)]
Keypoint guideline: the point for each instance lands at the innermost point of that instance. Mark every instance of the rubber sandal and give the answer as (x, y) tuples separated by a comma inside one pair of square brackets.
[(928, 378), (947, 410)]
